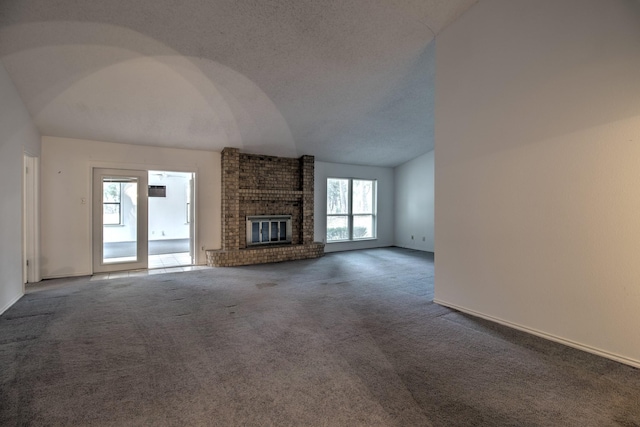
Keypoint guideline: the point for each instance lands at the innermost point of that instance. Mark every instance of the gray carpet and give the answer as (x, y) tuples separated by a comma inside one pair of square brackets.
[(351, 339)]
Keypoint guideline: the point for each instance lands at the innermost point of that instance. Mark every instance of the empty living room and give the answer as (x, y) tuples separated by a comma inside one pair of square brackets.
[(319, 213)]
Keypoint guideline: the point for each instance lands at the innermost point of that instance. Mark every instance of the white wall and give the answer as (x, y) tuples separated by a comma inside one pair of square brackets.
[(538, 169), (383, 175), (66, 180), (414, 209), (18, 135)]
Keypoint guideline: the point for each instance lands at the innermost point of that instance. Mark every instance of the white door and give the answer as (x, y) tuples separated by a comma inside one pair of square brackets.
[(120, 212)]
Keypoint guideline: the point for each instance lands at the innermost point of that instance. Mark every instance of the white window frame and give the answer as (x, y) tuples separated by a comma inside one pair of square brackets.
[(350, 215)]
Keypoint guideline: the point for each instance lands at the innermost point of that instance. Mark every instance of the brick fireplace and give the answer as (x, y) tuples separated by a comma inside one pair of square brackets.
[(265, 186)]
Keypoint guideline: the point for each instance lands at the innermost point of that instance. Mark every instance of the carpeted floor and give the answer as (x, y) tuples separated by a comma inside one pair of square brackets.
[(351, 339)]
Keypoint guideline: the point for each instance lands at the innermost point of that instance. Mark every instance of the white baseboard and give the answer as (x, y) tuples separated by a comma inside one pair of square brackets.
[(545, 335), (8, 305), (63, 276)]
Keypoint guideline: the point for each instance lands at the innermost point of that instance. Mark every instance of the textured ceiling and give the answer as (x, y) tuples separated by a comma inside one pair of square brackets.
[(348, 81)]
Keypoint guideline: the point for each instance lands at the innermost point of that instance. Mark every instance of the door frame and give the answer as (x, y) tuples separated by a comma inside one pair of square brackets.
[(192, 219), (141, 219), (193, 207)]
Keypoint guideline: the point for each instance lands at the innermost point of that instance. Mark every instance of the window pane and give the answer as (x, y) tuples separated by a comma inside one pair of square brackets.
[(362, 196), (111, 213), (363, 226), (111, 199), (337, 196), (337, 228), (111, 192)]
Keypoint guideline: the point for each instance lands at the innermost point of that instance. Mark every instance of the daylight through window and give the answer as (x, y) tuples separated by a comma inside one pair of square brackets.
[(112, 203), (351, 206)]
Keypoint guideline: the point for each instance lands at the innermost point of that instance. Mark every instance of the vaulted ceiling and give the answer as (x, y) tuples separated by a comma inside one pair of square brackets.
[(348, 81)]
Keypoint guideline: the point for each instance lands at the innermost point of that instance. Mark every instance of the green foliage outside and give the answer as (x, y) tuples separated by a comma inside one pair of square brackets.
[(342, 233)]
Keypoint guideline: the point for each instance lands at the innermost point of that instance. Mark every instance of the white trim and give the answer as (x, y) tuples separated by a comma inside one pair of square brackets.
[(99, 265), (366, 239), (9, 304), (25, 220), (350, 215), (541, 334), (67, 275)]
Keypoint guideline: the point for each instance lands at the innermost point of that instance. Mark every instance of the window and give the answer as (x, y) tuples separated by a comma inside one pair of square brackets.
[(111, 203), (351, 206)]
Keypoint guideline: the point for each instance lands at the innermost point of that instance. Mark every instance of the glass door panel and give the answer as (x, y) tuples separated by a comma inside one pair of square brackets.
[(283, 230), (255, 232), (264, 225), (119, 219)]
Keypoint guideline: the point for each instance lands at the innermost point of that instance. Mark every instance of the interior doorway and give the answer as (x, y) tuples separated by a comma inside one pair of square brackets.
[(171, 225)]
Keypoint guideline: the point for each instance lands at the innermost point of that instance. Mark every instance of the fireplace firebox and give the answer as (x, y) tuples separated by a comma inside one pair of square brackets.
[(268, 229)]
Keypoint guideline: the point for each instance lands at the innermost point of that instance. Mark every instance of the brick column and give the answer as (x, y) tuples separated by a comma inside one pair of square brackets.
[(307, 164), (230, 199)]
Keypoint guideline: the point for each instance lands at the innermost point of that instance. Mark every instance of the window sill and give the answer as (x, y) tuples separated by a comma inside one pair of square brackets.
[(351, 241)]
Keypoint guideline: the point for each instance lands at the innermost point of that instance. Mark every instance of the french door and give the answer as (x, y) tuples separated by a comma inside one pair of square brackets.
[(120, 213)]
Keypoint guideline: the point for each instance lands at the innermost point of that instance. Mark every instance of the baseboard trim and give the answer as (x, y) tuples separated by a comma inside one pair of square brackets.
[(545, 335), (412, 248), (64, 276), (10, 303)]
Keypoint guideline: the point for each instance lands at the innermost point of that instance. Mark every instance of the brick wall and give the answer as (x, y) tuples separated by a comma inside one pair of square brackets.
[(270, 173), (230, 198), (265, 185)]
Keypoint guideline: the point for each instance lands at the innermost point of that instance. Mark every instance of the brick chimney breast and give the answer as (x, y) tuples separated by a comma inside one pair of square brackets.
[(254, 185)]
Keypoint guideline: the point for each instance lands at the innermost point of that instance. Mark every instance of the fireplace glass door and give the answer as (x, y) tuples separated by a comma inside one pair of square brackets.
[(263, 230)]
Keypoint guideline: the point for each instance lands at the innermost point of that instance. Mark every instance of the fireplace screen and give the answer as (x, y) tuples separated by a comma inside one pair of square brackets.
[(262, 230)]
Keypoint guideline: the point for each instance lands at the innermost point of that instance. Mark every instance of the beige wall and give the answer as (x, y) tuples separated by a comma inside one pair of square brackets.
[(538, 169), (414, 198), (66, 180)]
